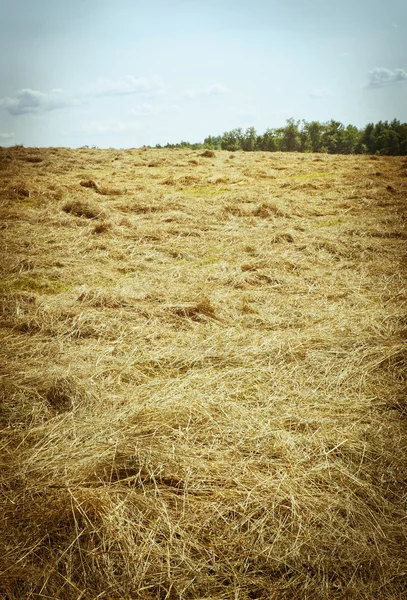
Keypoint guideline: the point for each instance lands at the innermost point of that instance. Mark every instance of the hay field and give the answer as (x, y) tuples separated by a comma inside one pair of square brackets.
[(203, 384)]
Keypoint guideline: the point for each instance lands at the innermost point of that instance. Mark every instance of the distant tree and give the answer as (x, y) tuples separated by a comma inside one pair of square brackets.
[(312, 136), (279, 139), (267, 141), (332, 137), (386, 139), (314, 130), (348, 140), (232, 140), (366, 138), (290, 136), (249, 140), (213, 142), (401, 129), (304, 139)]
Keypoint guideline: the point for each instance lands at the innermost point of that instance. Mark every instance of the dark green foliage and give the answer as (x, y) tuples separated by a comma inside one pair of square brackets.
[(333, 137), (267, 141), (290, 136), (232, 140), (249, 140), (213, 142), (313, 132)]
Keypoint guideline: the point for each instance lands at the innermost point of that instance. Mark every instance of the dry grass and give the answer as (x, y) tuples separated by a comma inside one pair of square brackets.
[(207, 398), (81, 209), (208, 154)]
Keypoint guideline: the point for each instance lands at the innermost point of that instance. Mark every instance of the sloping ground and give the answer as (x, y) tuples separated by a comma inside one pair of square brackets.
[(203, 375)]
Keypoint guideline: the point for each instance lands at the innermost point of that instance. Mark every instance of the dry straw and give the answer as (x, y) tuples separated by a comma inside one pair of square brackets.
[(205, 400)]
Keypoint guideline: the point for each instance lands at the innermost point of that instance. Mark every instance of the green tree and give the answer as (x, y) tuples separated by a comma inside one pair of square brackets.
[(290, 136), (267, 141), (348, 140), (401, 129), (312, 136), (232, 140), (213, 142), (332, 137), (249, 140), (314, 130)]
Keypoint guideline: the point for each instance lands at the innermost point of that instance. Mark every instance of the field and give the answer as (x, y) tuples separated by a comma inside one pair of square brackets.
[(203, 375)]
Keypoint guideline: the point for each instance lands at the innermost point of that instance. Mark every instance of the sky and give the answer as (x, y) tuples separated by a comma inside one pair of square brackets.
[(127, 73)]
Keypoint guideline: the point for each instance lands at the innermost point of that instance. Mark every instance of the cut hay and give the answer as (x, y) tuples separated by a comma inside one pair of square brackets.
[(203, 382), (208, 154), (78, 208)]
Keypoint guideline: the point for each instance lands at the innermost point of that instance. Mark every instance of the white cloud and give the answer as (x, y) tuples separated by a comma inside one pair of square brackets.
[(215, 89), (34, 101), (124, 86), (380, 76), (6, 136), (113, 126)]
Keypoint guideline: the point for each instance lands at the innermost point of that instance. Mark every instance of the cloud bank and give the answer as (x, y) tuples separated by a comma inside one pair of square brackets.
[(34, 101), (380, 77)]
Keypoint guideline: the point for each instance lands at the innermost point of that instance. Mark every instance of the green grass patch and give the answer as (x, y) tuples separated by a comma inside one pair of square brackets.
[(31, 283)]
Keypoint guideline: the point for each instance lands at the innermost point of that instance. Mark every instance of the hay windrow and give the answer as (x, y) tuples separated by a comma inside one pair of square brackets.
[(78, 208), (203, 396)]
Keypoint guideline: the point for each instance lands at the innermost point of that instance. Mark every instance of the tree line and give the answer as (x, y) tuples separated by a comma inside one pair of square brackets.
[(332, 137)]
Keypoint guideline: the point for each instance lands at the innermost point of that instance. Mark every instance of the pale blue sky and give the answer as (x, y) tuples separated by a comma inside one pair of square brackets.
[(123, 73)]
